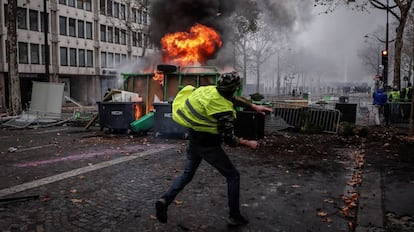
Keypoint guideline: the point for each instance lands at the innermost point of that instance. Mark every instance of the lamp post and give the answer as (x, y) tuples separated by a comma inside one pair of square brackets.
[(385, 70)]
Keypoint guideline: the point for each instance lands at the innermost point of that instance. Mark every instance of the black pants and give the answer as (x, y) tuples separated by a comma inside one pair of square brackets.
[(217, 158)]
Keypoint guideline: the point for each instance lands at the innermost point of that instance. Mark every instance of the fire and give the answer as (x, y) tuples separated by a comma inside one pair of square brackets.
[(190, 48), (138, 111), (159, 76)]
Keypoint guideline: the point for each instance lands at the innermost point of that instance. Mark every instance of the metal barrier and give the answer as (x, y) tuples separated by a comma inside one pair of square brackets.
[(398, 113), (326, 120)]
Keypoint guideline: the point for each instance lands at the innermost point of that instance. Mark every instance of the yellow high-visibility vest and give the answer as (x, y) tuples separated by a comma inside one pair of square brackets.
[(195, 107)]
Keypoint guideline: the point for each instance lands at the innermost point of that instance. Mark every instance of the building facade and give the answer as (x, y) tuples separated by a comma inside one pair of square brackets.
[(88, 41)]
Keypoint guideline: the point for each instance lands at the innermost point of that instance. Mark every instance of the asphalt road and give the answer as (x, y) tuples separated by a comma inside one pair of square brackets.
[(68, 179)]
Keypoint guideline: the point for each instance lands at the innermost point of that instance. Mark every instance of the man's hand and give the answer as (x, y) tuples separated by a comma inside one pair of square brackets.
[(261, 109), (253, 144)]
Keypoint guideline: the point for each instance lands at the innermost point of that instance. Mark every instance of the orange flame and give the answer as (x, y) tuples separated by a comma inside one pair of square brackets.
[(189, 48), (159, 76), (138, 111)]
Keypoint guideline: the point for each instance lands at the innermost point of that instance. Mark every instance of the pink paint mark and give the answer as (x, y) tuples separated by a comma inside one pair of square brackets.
[(82, 156)]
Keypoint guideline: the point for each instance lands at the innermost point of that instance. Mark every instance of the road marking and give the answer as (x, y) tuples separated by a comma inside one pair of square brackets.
[(79, 171), (84, 155), (37, 147)]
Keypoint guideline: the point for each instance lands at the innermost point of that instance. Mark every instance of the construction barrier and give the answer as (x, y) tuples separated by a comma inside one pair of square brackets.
[(308, 118)]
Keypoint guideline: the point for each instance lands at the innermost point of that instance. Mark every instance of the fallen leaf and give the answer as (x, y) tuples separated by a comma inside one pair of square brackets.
[(77, 200), (329, 201), (178, 202), (327, 220), (73, 191), (153, 217), (322, 214), (295, 186)]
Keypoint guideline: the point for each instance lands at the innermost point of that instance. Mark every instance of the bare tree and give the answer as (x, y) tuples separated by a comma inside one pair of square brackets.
[(15, 102), (261, 48)]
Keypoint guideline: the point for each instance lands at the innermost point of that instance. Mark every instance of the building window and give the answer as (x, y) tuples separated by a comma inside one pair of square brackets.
[(44, 54), (144, 18), (72, 57), (89, 58), (71, 3), (117, 59), (122, 14), (21, 18), (42, 21), (110, 34), (88, 30), (6, 14), (110, 60), (116, 35), (103, 33), (123, 58), (102, 7), (34, 54), (81, 57), (23, 53), (103, 59), (81, 29), (134, 15), (140, 39), (116, 10), (63, 56), (139, 16), (62, 2), (109, 7), (123, 37), (62, 25), (134, 39), (79, 4), (34, 20), (88, 5), (72, 27)]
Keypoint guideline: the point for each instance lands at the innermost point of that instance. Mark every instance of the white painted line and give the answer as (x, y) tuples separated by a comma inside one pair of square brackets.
[(75, 172), (37, 147)]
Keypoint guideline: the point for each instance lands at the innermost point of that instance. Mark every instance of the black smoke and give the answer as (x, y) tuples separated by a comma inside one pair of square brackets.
[(169, 16)]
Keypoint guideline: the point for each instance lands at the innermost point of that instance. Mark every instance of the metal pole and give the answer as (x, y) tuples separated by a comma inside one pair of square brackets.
[(278, 72), (46, 30), (378, 58), (385, 75)]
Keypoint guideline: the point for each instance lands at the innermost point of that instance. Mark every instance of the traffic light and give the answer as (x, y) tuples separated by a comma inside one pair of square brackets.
[(384, 55)]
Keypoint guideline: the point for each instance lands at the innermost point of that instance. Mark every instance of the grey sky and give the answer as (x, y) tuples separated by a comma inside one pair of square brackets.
[(337, 36)]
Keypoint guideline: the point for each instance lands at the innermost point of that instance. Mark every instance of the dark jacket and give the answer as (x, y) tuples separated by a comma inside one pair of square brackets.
[(380, 97)]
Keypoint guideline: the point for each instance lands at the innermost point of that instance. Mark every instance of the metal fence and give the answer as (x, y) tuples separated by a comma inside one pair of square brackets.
[(305, 118)]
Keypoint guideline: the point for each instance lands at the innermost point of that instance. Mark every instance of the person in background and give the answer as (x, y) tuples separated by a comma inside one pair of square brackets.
[(380, 98), (209, 112), (407, 93), (394, 95)]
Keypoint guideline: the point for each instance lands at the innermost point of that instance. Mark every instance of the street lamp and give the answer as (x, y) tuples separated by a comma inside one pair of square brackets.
[(385, 70)]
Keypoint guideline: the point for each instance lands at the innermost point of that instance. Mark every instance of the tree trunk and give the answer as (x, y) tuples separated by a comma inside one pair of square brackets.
[(257, 74), (399, 45), (15, 102)]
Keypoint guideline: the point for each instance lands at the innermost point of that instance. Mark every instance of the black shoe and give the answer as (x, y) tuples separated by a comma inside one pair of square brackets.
[(237, 220), (161, 209)]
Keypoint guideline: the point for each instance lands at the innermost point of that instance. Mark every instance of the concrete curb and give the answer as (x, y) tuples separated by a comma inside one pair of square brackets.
[(370, 213)]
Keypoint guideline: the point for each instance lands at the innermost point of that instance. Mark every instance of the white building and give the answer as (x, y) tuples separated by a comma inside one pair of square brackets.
[(87, 40)]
